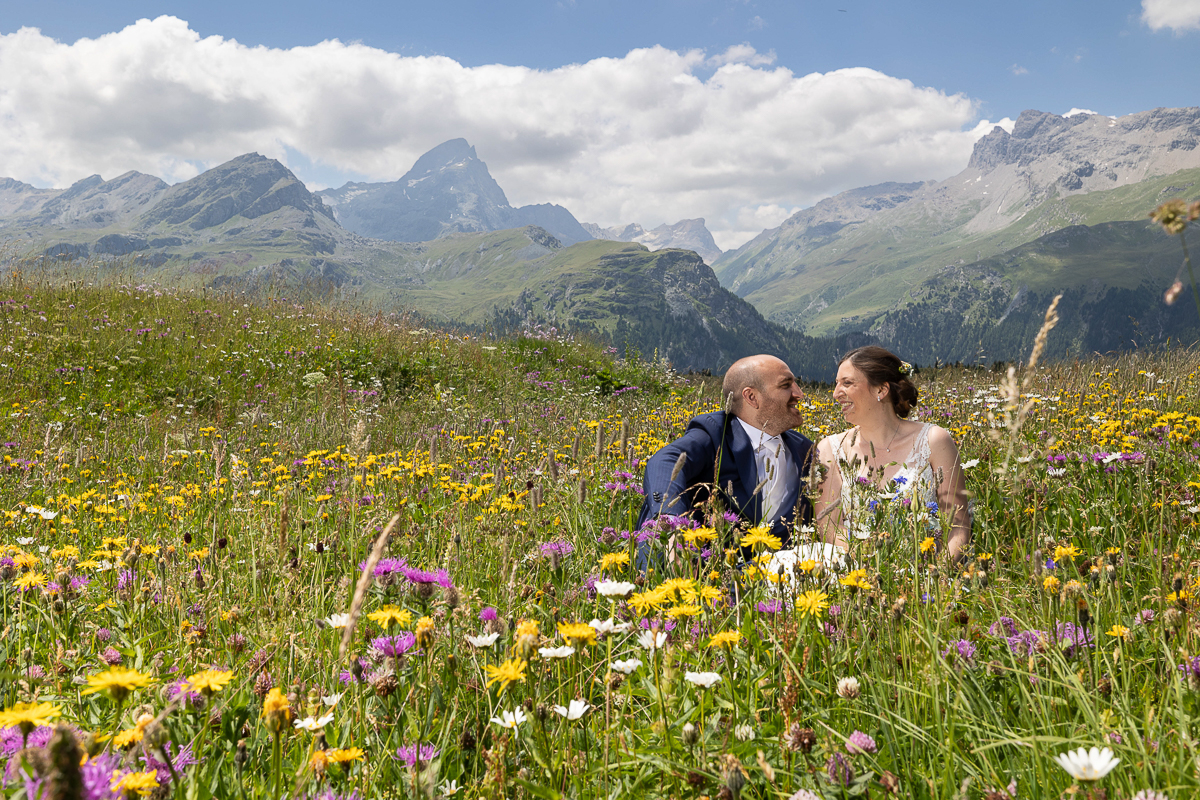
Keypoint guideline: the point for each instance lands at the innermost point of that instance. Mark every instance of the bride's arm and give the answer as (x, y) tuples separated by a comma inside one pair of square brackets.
[(952, 490), (827, 512)]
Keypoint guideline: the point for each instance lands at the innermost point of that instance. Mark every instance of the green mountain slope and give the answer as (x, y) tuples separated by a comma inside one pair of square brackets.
[(841, 264)]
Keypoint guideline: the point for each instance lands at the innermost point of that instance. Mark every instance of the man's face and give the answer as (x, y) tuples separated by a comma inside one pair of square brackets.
[(778, 403)]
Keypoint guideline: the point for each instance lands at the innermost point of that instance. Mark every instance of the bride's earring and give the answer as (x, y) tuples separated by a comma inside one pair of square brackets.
[(878, 398)]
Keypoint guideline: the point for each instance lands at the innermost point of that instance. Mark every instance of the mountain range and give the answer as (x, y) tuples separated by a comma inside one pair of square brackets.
[(959, 269)]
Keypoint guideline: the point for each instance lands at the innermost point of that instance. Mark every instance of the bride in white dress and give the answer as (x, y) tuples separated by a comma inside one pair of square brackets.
[(876, 396)]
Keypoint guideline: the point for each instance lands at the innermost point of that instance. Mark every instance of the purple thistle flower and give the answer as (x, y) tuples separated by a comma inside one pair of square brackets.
[(1007, 623), (488, 614), (184, 758), (962, 649), (97, 776), (409, 754), (416, 576), (393, 646), (770, 607), (860, 742), (560, 546)]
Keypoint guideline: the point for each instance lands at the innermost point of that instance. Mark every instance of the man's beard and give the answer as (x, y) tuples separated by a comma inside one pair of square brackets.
[(778, 420)]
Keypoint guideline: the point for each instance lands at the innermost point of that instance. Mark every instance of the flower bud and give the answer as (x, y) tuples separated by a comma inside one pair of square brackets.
[(689, 734)]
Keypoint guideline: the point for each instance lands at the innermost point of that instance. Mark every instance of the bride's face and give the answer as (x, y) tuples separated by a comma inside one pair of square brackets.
[(853, 393)]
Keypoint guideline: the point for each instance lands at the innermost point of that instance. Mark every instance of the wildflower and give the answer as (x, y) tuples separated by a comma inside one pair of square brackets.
[(652, 640), (276, 710), (30, 580), (627, 667), (683, 610), (848, 688), (1088, 765), (1118, 631), (860, 742), (839, 770), (510, 719), (393, 646), (314, 724), (702, 679), (769, 607), (610, 560), (726, 639), (576, 710), (855, 580), (614, 588), (760, 538), (411, 754), (812, 603), (1172, 215), (927, 544), (963, 649), (509, 672), (117, 681), (210, 681), (577, 633), (487, 640), (1066, 551), (28, 716), (345, 755), (390, 615), (331, 700), (489, 614), (424, 632), (743, 733), (566, 651), (1050, 584), (135, 784), (338, 621), (527, 627)]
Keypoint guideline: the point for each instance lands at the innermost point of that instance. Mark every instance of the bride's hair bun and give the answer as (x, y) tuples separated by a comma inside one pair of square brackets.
[(882, 367)]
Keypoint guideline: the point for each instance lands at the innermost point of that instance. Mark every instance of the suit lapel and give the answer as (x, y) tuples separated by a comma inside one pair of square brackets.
[(743, 459)]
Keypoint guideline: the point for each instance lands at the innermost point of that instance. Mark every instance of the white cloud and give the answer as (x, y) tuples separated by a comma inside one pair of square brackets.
[(1017, 69), (653, 136), (1076, 111), (1178, 15)]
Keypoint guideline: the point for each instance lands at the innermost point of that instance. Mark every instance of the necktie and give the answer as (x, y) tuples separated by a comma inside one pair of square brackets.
[(775, 489)]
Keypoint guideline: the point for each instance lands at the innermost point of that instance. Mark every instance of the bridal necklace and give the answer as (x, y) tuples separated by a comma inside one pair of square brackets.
[(892, 441)]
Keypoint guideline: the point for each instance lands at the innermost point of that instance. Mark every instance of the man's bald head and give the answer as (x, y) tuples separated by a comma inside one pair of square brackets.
[(763, 392), (742, 374)]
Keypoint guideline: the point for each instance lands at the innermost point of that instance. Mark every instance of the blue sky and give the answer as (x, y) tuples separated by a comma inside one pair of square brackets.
[(981, 61)]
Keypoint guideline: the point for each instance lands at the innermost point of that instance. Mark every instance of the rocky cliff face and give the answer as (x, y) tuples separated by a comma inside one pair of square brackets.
[(449, 190), (687, 234)]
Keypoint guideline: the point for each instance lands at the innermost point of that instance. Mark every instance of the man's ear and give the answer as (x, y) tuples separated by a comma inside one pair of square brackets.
[(750, 397)]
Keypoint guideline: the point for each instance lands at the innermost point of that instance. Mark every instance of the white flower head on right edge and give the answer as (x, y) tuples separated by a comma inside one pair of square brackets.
[(575, 711), (1087, 765)]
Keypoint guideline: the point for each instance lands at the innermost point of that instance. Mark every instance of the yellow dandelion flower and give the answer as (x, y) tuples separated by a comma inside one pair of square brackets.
[(726, 639), (577, 633), (25, 560), (198, 555), (345, 755), (135, 784), (209, 681), (424, 632), (610, 560), (391, 615), (760, 537), (808, 565), (683, 610), (527, 627), (511, 671), (1050, 584), (1066, 551), (712, 595), (683, 588), (644, 602), (812, 603), (277, 711), (28, 716), (1119, 631), (928, 543), (699, 536), (128, 737), (30, 580), (855, 580), (117, 681)]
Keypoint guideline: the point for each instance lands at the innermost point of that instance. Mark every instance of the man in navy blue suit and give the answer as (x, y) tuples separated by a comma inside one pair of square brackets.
[(750, 455)]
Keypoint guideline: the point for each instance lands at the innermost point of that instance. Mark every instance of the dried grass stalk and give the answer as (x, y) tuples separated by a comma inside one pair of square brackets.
[(364, 583)]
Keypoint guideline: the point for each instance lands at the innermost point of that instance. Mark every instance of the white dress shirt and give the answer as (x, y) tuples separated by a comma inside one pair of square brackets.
[(775, 463)]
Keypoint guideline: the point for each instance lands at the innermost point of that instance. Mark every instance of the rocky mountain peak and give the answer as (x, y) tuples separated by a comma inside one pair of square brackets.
[(687, 234), (446, 154), (250, 186)]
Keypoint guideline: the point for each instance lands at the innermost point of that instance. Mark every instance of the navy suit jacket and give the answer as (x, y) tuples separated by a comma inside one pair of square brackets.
[(715, 440)]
